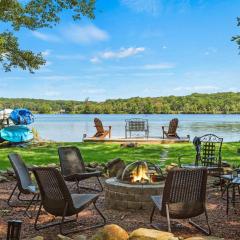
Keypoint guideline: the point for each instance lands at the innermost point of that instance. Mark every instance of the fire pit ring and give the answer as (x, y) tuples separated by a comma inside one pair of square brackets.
[(133, 191)]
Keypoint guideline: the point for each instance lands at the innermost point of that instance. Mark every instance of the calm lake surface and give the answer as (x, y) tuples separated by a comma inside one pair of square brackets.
[(71, 127)]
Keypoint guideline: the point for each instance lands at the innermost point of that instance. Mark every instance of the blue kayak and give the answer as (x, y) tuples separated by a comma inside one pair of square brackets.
[(22, 117), (16, 134)]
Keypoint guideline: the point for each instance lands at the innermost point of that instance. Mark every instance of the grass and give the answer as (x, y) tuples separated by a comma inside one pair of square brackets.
[(47, 153)]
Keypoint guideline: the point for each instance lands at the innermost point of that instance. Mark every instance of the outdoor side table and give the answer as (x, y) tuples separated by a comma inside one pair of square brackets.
[(235, 182), (228, 178)]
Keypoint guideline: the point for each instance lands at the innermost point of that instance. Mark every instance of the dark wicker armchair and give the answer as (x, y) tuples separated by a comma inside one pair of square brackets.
[(184, 197), (24, 183), (73, 168), (57, 200)]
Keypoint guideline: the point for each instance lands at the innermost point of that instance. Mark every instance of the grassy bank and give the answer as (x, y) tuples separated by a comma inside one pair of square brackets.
[(47, 153)]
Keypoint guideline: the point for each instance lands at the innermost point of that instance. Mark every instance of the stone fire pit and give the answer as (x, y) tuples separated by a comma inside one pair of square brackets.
[(133, 190)]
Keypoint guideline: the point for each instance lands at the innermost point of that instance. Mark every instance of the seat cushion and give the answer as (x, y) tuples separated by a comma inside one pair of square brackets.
[(82, 176), (81, 201), (31, 189), (157, 201)]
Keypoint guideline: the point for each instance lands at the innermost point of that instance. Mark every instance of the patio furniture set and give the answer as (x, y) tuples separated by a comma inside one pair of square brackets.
[(183, 197), (137, 125)]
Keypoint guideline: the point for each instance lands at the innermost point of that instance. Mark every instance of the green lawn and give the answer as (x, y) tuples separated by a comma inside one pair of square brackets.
[(47, 153)]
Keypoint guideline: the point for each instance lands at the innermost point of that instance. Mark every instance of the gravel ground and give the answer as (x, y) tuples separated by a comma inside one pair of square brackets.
[(222, 226)]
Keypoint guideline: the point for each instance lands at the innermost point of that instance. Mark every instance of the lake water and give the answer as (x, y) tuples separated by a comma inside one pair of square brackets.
[(71, 127)]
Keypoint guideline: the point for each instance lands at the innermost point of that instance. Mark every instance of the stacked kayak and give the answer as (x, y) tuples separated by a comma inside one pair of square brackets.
[(16, 134), (21, 117), (19, 132)]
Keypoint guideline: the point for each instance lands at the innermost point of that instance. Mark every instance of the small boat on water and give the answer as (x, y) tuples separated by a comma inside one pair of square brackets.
[(16, 134)]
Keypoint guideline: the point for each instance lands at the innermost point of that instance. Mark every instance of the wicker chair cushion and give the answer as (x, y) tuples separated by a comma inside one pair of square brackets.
[(25, 184), (181, 210), (81, 201)]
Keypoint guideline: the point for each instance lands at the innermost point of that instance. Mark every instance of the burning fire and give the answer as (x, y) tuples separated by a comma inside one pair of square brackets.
[(139, 174)]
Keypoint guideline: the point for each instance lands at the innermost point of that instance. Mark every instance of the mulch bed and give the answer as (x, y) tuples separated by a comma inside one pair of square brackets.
[(222, 225)]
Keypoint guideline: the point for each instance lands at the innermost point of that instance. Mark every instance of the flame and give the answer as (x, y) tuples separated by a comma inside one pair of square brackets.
[(139, 174)]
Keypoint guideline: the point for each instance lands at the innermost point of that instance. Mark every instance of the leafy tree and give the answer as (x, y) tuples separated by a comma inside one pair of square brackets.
[(33, 14), (195, 103), (237, 38), (45, 108)]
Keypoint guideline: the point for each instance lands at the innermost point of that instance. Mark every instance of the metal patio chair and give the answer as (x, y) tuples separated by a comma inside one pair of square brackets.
[(73, 168), (57, 200), (184, 197), (24, 183), (208, 154)]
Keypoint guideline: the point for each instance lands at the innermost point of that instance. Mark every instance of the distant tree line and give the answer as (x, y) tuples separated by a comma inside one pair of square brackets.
[(227, 102)]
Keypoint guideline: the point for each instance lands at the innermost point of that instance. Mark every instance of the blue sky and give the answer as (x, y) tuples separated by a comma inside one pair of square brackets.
[(134, 48)]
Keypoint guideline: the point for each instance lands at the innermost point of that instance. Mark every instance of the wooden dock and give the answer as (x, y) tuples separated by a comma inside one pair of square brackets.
[(150, 140)]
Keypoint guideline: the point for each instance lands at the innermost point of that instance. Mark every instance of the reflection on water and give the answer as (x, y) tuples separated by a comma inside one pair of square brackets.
[(67, 127)]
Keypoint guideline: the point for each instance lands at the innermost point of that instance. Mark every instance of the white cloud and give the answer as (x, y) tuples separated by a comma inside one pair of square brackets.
[(48, 63), (210, 50), (159, 66), (57, 77), (151, 74), (46, 37), (95, 60), (122, 53), (85, 34), (46, 53), (149, 6), (203, 88), (70, 57)]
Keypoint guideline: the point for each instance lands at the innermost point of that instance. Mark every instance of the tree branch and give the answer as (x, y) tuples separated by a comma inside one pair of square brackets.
[(11, 56)]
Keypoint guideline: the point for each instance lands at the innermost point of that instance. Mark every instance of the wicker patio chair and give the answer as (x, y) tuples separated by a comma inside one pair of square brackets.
[(73, 168), (24, 183), (57, 200), (101, 132), (183, 197), (172, 129)]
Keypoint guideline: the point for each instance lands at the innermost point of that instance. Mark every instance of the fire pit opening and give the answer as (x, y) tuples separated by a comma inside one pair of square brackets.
[(134, 187), (142, 172)]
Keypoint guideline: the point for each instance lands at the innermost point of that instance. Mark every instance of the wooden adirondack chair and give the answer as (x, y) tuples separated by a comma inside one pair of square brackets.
[(172, 129), (101, 132)]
